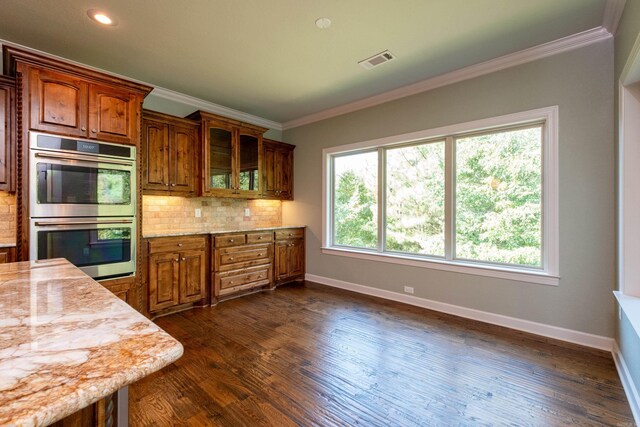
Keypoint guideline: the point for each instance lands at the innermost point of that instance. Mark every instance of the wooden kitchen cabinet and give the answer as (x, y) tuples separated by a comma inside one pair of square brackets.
[(7, 255), (67, 104), (231, 156), (290, 255), (277, 177), (169, 148), (124, 288), (7, 134), (242, 263), (177, 270)]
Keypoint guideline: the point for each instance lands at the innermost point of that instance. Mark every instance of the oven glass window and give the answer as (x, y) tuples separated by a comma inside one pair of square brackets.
[(86, 247), (60, 184)]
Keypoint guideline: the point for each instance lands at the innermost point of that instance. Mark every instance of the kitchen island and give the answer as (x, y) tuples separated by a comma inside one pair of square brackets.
[(66, 342)]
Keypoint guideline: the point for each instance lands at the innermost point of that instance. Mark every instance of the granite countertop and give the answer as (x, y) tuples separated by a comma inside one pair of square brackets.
[(66, 342), (194, 233)]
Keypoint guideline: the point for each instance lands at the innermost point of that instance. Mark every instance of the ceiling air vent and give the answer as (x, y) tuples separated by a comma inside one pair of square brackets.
[(377, 59)]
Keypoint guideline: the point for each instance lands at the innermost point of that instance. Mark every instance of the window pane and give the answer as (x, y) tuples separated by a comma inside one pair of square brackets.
[(499, 197), (415, 199), (355, 201)]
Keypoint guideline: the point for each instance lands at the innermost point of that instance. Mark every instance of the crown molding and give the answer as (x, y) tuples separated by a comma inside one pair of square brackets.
[(565, 44), (162, 92), (211, 107), (612, 14)]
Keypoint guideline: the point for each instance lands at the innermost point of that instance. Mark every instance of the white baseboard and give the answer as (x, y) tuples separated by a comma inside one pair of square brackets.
[(629, 386), (576, 337)]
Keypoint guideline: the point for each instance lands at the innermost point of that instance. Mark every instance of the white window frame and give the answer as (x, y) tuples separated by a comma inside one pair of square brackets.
[(547, 275)]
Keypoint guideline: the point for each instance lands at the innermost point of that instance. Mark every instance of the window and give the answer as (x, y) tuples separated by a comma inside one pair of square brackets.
[(479, 197)]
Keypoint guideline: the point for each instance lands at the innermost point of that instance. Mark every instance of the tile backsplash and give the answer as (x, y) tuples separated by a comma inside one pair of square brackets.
[(7, 217), (177, 214)]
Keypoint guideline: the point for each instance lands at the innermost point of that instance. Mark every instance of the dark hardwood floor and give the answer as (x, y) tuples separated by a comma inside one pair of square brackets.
[(310, 355)]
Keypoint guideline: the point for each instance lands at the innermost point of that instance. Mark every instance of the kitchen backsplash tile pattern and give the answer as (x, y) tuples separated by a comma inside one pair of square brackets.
[(7, 218), (177, 214)]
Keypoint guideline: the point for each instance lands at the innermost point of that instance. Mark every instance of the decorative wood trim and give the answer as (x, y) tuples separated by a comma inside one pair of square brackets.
[(12, 55), (213, 108), (565, 44), (612, 14), (572, 336), (628, 384)]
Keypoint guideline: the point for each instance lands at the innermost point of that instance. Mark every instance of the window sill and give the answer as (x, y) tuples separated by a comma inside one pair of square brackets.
[(631, 307), (498, 272)]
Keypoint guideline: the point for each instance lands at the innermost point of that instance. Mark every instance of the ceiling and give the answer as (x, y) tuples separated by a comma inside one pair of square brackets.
[(267, 58)]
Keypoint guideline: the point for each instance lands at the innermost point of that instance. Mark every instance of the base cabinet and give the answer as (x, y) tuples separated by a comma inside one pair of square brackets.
[(242, 262), (124, 288), (289, 260), (7, 255), (177, 270)]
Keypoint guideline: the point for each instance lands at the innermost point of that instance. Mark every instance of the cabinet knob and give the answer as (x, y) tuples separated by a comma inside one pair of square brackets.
[(177, 259), (94, 130), (83, 128), (173, 185), (259, 237), (231, 240), (259, 254), (231, 259), (179, 244), (167, 185), (290, 234), (231, 282), (184, 259)]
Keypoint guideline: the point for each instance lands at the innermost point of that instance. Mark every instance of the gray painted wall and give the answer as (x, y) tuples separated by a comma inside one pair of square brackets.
[(580, 83), (628, 339)]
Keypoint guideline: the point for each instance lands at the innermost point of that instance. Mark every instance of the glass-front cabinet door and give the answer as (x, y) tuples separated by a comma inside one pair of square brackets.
[(249, 161), (221, 159), (232, 158)]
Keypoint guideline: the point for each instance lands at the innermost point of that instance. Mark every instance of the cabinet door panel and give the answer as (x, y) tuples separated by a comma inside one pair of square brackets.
[(269, 174), (58, 103), (282, 264), (220, 159), (192, 276), (163, 281), (112, 114), (155, 155), (284, 173), (248, 162), (182, 160), (296, 258)]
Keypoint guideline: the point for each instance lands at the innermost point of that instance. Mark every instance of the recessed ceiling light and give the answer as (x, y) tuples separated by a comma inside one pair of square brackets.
[(323, 23), (101, 17)]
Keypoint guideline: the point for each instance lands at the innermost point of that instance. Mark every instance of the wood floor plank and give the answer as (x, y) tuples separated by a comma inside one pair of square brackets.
[(310, 355)]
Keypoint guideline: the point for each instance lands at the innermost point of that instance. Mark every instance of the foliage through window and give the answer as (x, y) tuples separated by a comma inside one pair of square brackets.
[(463, 197)]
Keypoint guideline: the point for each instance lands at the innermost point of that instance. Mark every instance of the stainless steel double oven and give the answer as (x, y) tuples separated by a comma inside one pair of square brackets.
[(83, 204)]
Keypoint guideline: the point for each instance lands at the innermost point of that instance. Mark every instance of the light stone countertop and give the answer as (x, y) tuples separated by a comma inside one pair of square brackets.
[(195, 233), (66, 342)]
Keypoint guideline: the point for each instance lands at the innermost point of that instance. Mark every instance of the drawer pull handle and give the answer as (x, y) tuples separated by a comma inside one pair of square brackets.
[(231, 259), (94, 130), (231, 240), (177, 259), (231, 282), (83, 128), (180, 245), (184, 259), (259, 254), (259, 237), (290, 234)]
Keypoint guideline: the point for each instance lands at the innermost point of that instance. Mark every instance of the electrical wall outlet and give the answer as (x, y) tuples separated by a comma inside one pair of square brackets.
[(247, 212), (408, 290), (198, 212)]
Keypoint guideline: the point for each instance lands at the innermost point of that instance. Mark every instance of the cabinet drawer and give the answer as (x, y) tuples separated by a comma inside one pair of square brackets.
[(242, 256), (229, 240), (172, 244), (291, 233), (259, 276), (260, 237)]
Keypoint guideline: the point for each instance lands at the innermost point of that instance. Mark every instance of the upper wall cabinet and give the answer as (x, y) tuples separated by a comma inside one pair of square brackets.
[(68, 100), (7, 131), (169, 153), (277, 176), (231, 156)]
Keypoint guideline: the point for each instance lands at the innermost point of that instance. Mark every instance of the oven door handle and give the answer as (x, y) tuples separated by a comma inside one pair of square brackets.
[(82, 158), (87, 222)]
